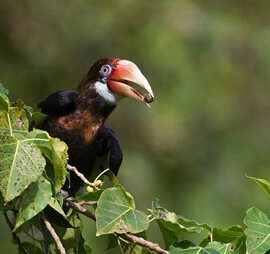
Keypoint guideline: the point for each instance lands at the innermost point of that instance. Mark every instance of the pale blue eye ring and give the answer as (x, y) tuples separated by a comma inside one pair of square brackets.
[(105, 70)]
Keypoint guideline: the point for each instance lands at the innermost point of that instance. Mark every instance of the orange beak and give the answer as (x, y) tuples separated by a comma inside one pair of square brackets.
[(125, 72)]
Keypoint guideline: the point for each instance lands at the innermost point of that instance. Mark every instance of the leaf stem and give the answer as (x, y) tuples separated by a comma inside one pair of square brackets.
[(119, 244), (103, 172), (152, 220)]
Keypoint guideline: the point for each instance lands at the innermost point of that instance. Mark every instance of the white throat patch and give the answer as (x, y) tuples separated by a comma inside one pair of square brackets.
[(105, 93)]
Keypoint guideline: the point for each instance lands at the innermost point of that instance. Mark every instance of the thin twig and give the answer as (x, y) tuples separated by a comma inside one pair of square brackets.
[(55, 237), (80, 209), (130, 237), (92, 203), (14, 235), (80, 175)]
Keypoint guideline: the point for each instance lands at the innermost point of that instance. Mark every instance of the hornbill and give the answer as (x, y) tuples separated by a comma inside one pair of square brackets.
[(77, 118)]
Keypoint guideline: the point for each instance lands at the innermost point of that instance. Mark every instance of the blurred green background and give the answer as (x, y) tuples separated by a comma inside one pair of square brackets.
[(208, 63)]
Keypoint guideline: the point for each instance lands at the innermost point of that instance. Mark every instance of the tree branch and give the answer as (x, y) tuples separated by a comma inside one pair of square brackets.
[(80, 175), (130, 237), (77, 207), (14, 235), (55, 237), (91, 203), (142, 242)]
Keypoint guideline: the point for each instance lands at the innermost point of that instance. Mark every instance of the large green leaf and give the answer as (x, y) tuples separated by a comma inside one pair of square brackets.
[(34, 200), (258, 232), (172, 226), (56, 151), (116, 213), (20, 164)]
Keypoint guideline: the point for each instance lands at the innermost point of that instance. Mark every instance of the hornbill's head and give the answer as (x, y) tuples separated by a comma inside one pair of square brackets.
[(110, 77)]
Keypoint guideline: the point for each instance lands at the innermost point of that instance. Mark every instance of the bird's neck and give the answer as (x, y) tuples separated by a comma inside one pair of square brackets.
[(92, 104)]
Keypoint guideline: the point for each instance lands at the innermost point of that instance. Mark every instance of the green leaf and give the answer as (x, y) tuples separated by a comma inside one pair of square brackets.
[(89, 196), (38, 117), (235, 235), (34, 200), (53, 203), (227, 236), (134, 248), (258, 233), (21, 164), (112, 177), (59, 159), (4, 103), (18, 103), (116, 213), (172, 226), (83, 248), (265, 185), (56, 218), (211, 248), (14, 120), (3, 90), (112, 241), (56, 151), (31, 248), (29, 109), (192, 250)]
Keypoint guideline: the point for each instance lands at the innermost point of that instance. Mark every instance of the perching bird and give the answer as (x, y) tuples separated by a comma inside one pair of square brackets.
[(77, 118)]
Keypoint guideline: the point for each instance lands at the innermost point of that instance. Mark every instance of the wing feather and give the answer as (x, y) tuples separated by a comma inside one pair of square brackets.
[(58, 103)]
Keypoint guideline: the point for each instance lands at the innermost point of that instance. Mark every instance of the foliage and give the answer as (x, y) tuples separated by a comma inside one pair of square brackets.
[(208, 62), (33, 170)]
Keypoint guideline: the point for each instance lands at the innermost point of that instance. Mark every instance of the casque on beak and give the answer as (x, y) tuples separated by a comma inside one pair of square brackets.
[(125, 72)]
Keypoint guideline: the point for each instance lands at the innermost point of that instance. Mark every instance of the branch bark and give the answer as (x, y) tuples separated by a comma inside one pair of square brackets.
[(80, 175), (55, 237), (142, 242), (130, 237), (77, 207)]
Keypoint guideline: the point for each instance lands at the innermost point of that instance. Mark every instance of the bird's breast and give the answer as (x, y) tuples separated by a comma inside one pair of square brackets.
[(77, 130)]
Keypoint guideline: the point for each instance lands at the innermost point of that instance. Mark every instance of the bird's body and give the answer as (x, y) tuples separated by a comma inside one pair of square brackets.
[(77, 118)]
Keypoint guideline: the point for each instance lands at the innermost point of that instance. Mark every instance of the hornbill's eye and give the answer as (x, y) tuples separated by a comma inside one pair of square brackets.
[(105, 70)]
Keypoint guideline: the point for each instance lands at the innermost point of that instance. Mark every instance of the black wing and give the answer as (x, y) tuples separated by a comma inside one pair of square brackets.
[(58, 103), (107, 143)]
